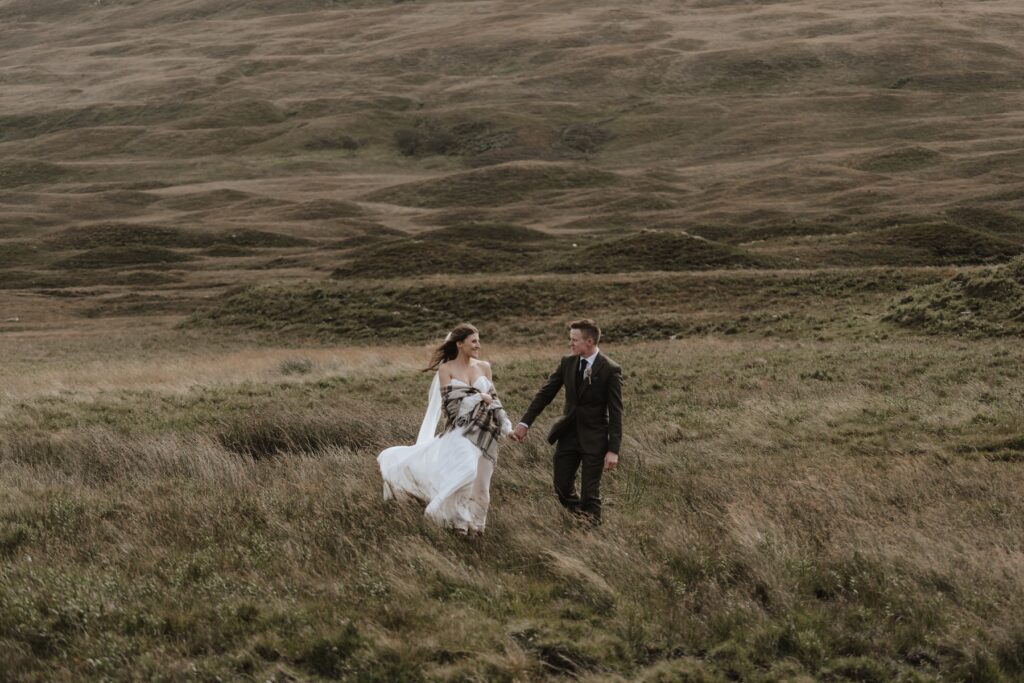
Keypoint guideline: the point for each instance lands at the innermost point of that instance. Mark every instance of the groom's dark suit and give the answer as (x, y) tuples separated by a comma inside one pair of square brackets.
[(590, 427)]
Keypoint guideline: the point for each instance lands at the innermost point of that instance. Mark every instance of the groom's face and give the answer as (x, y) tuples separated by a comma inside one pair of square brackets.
[(580, 345)]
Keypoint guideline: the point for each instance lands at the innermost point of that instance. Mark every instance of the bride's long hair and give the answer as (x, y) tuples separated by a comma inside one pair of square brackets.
[(448, 350)]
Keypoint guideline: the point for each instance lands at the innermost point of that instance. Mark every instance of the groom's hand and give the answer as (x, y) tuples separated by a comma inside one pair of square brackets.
[(519, 433), (611, 461)]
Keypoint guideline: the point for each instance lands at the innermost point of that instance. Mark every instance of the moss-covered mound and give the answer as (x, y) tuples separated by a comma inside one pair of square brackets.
[(49, 280), (134, 234), (409, 257), (643, 251), (326, 310), (244, 113), (494, 186), (984, 218), (527, 308), (259, 238), (901, 159), (943, 244), (199, 201), (228, 251), (496, 234), (323, 209), (987, 302), (21, 253), (18, 172), (121, 257), (124, 234)]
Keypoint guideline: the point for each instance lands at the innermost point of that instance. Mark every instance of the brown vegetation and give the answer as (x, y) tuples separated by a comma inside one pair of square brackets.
[(228, 230)]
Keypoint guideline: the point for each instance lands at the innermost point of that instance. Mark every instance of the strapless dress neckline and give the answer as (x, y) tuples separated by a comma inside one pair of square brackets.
[(481, 377)]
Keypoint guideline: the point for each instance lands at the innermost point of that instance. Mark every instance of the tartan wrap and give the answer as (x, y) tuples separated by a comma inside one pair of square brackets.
[(482, 424)]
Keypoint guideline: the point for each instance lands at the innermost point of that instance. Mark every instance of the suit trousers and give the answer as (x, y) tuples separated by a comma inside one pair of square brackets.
[(570, 458)]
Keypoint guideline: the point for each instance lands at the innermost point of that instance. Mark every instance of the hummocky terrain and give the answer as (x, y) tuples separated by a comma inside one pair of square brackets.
[(164, 151), (230, 229)]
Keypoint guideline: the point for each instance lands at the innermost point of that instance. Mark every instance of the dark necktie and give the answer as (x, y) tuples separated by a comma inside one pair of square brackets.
[(581, 373)]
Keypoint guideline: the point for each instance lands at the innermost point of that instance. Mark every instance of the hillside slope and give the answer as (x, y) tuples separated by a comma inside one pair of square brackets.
[(805, 130)]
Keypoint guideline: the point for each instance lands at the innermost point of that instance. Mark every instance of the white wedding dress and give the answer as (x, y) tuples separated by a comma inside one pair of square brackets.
[(448, 472)]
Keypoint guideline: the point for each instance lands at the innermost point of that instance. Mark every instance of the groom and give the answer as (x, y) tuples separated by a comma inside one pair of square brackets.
[(589, 432)]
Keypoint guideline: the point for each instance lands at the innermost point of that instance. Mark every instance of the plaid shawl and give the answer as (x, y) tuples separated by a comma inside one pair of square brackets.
[(482, 423)]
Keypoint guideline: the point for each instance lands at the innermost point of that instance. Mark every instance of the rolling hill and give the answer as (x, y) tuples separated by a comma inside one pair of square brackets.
[(794, 129)]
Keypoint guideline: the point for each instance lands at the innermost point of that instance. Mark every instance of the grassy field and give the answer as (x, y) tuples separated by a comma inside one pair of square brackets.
[(843, 510), (230, 231)]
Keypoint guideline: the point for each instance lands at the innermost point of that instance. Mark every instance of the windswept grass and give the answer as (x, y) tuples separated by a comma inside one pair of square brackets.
[(783, 510), (808, 491)]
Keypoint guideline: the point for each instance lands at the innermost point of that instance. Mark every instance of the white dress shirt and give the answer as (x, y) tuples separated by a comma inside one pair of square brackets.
[(590, 359)]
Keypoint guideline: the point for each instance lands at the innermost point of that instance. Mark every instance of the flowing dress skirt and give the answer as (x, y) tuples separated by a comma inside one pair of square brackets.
[(448, 473)]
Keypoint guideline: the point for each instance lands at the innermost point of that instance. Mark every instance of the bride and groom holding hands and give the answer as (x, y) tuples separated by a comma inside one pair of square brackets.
[(451, 470)]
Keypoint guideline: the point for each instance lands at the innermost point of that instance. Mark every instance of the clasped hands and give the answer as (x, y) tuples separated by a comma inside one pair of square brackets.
[(519, 433), (611, 460)]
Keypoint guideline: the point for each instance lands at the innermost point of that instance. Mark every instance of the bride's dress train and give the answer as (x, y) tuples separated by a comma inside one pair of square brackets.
[(450, 473)]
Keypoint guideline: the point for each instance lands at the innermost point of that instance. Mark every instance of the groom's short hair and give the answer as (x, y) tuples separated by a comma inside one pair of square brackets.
[(588, 327)]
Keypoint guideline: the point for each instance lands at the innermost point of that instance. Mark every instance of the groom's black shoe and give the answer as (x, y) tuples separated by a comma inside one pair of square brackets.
[(590, 514), (570, 503)]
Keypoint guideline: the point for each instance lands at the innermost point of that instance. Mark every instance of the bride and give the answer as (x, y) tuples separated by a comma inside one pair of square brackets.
[(451, 472)]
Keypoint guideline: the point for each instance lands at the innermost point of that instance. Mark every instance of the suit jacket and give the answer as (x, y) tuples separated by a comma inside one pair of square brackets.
[(594, 409)]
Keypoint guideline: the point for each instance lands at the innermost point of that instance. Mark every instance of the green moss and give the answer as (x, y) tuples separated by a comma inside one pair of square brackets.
[(988, 302)]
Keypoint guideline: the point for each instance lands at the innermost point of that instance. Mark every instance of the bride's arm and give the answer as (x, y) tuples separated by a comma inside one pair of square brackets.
[(506, 424), (487, 398)]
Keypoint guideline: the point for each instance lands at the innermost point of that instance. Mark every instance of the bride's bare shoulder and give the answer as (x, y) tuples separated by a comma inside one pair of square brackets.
[(485, 366)]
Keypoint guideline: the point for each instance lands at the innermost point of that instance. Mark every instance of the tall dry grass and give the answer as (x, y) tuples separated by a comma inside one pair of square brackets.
[(785, 511)]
